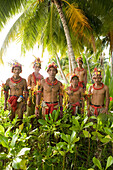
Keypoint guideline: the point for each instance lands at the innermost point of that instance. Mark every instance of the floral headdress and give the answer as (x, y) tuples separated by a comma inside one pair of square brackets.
[(16, 64), (96, 73), (74, 75), (37, 62), (52, 65), (79, 59)]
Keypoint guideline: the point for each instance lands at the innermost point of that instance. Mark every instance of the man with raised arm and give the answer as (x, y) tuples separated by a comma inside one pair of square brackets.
[(81, 73), (33, 83), (99, 93), (75, 95), (18, 92), (52, 93)]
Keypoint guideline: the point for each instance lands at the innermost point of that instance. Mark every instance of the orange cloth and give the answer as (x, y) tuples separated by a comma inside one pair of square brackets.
[(13, 101)]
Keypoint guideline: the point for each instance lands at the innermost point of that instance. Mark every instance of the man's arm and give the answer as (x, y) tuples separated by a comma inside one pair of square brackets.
[(107, 99), (61, 99), (85, 78), (89, 100), (6, 90)]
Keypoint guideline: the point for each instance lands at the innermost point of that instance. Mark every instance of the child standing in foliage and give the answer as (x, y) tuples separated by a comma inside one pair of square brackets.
[(99, 92), (18, 92), (75, 95)]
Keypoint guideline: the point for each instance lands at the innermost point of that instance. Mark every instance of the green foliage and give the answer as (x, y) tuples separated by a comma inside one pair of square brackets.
[(57, 143)]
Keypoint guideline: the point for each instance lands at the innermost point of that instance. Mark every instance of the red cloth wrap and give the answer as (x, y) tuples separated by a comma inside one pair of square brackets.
[(74, 107), (13, 101), (96, 107), (51, 108), (80, 84)]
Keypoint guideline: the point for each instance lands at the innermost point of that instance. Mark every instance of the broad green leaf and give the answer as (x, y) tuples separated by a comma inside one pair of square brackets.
[(23, 151), (90, 169), (86, 134), (88, 125), (73, 136), (56, 115), (65, 137), (16, 163), (4, 141), (3, 155), (14, 139), (97, 163), (8, 131), (62, 153), (42, 122), (109, 161), (2, 130), (85, 120), (49, 151), (76, 140)]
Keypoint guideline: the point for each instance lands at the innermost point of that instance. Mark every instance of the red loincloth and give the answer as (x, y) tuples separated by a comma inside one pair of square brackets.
[(74, 107), (96, 107), (13, 101), (51, 108)]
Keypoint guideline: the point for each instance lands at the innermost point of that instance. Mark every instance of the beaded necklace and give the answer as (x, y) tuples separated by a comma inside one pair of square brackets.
[(98, 88), (79, 69), (14, 81), (74, 89), (49, 83), (34, 77)]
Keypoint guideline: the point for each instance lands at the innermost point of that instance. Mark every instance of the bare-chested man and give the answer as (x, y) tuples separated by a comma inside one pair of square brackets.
[(75, 95), (33, 83), (52, 92), (81, 73), (18, 92), (99, 92)]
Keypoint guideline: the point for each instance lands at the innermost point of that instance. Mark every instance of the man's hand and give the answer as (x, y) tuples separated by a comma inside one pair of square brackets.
[(105, 111), (5, 106)]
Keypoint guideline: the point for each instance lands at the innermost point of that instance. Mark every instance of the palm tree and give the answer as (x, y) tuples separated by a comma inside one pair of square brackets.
[(36, 20)]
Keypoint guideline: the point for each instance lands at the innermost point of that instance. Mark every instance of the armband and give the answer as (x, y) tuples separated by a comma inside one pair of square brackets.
[(37, 107), (5, 91)]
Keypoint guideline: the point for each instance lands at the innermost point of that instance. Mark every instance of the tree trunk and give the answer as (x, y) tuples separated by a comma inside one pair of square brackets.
[(111, 49), (62, 73), (67, 34), (88, 68)]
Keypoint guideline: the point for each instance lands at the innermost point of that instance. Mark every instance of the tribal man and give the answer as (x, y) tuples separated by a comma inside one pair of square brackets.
[(99, 92), (33, 83), (81, 73), (52, 93), (75, 95), (18, 92)]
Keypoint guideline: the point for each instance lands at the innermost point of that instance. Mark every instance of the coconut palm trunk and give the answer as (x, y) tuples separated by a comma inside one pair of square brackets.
[(67, 34), (62, 73)]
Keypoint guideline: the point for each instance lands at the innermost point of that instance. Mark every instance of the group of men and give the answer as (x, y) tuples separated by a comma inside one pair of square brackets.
[(48, 93)]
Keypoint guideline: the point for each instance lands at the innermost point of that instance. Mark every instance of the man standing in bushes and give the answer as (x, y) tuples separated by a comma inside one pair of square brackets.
[(81, 73), (75, 96), (52, 93), (98, 93), (18, 92), (33, 83)]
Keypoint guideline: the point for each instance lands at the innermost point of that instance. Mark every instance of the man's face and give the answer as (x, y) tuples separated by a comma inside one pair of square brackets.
[(97, 79), (36, 68), (52, 72), (80, 63), (74, 81), (16, 71)]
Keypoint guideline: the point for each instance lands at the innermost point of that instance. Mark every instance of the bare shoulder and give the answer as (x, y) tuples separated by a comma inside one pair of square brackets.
[(7, 81), (42, 81), (90, 87), (24, 80), (106, 87), (29, 77)]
